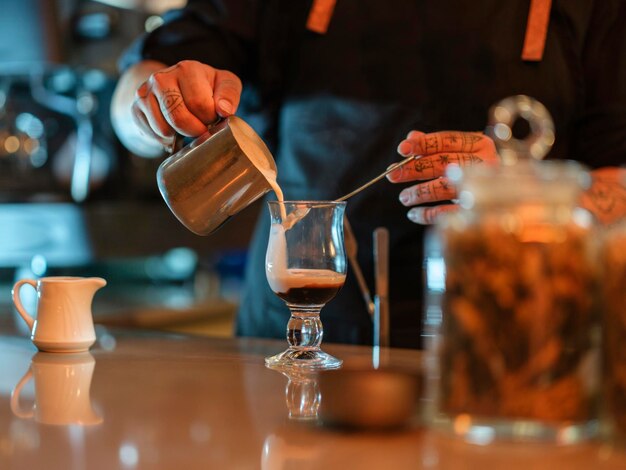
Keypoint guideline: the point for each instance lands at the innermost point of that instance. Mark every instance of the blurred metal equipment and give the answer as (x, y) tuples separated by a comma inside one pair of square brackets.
[(28, 35), (55, 232), (23, 141), (53, 140), (381, 300), (39, 91), (81, 110), (148, 6)]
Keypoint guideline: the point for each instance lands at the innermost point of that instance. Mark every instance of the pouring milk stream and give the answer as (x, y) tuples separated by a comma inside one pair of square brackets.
[(280, 277), (208, 181)]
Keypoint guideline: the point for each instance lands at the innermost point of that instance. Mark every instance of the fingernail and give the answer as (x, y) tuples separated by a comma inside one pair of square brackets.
[(225, 106), (404, 197), (416, 215), (405, 148), (394, 175)]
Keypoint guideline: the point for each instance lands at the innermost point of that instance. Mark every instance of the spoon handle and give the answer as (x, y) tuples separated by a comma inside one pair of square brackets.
[(352, 248), (382, 175)]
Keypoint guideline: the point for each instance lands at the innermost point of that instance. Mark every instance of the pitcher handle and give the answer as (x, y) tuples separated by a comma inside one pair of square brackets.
[(15, 398), (30, 321)]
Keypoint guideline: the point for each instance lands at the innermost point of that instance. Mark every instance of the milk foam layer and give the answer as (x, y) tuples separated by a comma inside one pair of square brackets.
[(311, 278), (276, 256), (281, 279)]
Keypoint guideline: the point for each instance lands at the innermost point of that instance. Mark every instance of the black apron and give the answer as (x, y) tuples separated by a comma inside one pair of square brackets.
[(333, 107)]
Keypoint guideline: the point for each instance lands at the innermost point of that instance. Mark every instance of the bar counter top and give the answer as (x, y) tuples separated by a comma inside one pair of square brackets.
[(153, 400)]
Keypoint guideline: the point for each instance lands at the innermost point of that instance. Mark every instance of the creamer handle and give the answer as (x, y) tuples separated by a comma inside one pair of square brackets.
[(30, 321), (15, 397)]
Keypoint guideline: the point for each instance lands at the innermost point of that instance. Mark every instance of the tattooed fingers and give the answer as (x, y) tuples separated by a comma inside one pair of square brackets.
[(436, 190), (165, 88), (436, 152), (429, 215), (440, 149), (185, 98), (419, 143), (432, 166), (147, 115)]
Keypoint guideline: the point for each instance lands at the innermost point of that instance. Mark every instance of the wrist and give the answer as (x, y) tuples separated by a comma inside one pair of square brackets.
[(124, 125)]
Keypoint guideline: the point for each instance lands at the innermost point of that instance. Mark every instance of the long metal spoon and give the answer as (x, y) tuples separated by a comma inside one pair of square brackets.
[(351, 250), (379, 177), (300, 213)]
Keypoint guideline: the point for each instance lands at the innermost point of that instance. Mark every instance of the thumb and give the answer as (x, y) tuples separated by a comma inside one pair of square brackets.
[(226, 92)]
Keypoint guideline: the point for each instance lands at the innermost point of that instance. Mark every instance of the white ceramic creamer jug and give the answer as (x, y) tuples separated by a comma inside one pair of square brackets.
[(64, 322)]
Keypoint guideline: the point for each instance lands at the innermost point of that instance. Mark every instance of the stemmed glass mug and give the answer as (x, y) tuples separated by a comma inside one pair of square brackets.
[(306, 267)]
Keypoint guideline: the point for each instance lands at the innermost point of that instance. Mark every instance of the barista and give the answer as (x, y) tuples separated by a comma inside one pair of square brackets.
[(334, 86)]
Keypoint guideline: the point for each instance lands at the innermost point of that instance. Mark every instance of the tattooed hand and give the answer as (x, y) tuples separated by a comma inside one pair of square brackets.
[(184, 98), (606, 198), (437, 151)]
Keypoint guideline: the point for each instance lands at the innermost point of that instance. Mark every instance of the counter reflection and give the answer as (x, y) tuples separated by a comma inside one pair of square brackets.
[(302, 393), (62, 390)]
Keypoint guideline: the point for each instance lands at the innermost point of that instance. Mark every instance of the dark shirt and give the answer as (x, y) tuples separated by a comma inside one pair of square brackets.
[(334, 107)]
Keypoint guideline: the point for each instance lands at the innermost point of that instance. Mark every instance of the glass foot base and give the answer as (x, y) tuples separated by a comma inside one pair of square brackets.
[(313, 359), (479, 430)]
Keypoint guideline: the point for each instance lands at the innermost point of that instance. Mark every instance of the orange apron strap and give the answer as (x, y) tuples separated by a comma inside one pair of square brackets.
[(319, 16), (536, 30)]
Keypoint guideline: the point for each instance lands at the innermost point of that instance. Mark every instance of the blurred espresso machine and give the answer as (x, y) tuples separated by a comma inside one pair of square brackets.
[(46, 143), (55, 150), (73, 201)]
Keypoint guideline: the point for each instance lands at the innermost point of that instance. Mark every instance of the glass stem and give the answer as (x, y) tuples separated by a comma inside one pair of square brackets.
[(304, 329)]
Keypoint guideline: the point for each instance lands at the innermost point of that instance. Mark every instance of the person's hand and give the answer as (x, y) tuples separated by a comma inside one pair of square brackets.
[(437, 150), (606, 197), (184, 98)]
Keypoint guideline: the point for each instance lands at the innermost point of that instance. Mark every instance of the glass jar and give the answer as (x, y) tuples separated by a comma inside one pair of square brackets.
[(613, 257), (511, 281)]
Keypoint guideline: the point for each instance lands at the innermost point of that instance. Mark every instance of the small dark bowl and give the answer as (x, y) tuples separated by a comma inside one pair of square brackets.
[(369, 398)]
